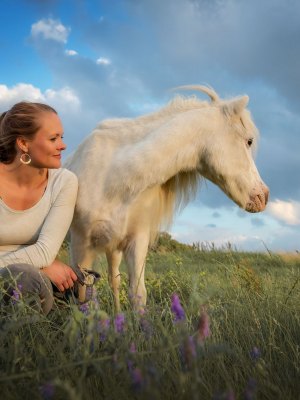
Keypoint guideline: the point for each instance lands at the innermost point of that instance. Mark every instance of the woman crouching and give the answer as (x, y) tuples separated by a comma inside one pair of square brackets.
[(37, 200)]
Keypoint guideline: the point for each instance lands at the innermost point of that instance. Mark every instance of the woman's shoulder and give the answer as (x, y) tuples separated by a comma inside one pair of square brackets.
[(62, 177), (63, 174)]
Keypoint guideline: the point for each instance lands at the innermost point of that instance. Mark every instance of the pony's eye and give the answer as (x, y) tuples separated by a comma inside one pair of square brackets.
[(249, 142)]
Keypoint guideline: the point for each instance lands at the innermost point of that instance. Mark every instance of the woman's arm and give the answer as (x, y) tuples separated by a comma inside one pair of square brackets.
[(44, 251)]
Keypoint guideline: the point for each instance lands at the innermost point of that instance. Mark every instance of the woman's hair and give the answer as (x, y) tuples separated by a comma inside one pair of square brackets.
[(21, 120)]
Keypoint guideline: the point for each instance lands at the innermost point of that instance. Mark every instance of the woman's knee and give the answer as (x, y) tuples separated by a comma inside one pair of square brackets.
[(28, 280), (23, 275)]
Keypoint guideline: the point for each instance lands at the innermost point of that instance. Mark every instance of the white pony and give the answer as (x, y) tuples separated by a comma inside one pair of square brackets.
[(135, 173)]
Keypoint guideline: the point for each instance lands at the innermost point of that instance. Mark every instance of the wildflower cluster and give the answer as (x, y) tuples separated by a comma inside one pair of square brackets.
[(119, 323), (111, 335), (176, 308), (190, 343)]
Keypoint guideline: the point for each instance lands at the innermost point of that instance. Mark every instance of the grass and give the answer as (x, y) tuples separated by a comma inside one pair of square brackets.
[(252, 352)]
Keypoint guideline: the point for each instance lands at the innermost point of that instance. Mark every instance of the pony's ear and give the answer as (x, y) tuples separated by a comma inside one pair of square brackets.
[(235, 106)]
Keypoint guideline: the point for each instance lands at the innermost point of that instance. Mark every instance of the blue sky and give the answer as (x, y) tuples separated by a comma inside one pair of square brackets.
[(100, 59)]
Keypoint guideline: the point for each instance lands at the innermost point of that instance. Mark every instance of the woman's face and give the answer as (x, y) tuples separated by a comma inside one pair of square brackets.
[(46, 147)]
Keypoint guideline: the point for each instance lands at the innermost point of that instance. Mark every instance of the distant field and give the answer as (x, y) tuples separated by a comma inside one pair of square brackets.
[(252, 351)]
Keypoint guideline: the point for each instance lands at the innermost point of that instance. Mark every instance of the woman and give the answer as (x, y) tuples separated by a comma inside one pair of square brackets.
[(37, 200)]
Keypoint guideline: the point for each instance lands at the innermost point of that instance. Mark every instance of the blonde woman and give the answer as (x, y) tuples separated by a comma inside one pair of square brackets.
[(37, 200)]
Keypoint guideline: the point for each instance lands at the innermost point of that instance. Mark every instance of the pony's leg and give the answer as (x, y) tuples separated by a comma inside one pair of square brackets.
[(81, 254), (114, 258), (135, 256)]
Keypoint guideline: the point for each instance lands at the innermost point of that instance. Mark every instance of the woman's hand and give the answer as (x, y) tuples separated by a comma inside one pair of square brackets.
[(60, 274)]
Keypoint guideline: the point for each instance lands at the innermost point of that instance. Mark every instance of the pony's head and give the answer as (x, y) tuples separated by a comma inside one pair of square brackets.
[(227, 157)]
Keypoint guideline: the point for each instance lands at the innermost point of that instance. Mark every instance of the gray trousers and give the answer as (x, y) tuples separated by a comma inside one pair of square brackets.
[(29, 281)]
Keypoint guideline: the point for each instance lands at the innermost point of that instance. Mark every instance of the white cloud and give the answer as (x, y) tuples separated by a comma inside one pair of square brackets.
[(50, 29), (71, 53), (285, 211), (103, 61), (21, 91), (64, 99)]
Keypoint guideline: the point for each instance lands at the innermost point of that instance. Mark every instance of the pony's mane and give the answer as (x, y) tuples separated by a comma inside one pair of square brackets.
[(135, 129), (175, 106), (174, 195)]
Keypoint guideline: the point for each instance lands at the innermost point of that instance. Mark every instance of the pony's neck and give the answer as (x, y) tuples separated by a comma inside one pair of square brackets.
[(174, 147)]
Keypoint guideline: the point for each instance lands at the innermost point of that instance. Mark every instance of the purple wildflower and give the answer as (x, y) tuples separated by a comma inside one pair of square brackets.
[(119, 323), (176, 308), (230, 395), (47, 391), (255, 354), (89, 292), (190, 348), (146, 327), (250, 390), (203, 326), (188, 352), (15, 295), (95, 299), (132, 348), (130, 365), (84, 308), (137, 379), (103, 328)]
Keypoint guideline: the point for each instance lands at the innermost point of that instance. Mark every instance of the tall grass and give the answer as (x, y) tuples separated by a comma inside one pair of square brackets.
[(252, 353)]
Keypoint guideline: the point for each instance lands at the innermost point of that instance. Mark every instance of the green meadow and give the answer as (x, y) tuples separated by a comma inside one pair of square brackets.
[(236, 335)]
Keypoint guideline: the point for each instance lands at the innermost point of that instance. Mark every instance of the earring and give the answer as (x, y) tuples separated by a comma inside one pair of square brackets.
[(25, 158)]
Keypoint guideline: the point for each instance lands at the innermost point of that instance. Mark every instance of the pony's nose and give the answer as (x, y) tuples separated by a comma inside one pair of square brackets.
[(258, 199), (266, 193)]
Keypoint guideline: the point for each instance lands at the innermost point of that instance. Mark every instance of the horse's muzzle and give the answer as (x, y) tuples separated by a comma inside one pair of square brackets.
[(258, 200)]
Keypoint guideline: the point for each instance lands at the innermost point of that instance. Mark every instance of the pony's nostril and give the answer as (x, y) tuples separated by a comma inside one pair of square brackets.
[(262, 199), (267, 192)]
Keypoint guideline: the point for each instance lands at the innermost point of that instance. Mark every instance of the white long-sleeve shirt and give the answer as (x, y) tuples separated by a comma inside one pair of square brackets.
[(34, 236)]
